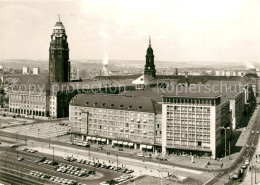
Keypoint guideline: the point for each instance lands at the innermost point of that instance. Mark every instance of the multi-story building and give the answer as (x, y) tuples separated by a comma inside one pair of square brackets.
[(115, 119), (192, 122), (236, 92), (30, 96)]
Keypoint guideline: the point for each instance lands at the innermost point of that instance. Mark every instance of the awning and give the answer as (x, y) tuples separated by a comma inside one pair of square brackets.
[(120, 142), (88, 137), (93, 138), (98, 139), (149, 147), (130, 144), (103, 140), (125, 143)]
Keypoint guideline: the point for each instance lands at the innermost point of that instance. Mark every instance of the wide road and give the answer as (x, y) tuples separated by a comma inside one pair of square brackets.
[(247, 151), (133, 156)]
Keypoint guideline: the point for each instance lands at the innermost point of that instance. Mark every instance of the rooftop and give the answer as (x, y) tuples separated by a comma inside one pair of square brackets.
[(193, 91), (109, 101)]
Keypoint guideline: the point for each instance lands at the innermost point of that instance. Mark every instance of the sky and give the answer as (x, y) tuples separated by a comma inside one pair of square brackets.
[(180, 30)]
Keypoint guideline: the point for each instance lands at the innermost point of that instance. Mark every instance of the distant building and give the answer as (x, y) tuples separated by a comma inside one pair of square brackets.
[(144, 81), (26, 70), (36, 71)]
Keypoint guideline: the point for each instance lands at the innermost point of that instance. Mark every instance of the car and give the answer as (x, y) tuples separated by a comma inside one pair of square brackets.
[(247, 162), (147, 155), (140, 155), (24, 149), (49, 162), (13, 146), (41, 160), (91, 172), (33, 151), (20, 158), (104, 183), (257, 132), (108, 166), (120, 149), (253, 132), (244, 166)]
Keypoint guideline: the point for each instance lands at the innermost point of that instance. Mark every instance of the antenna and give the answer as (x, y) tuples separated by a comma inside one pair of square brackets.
[(59, 17), (149, 40)]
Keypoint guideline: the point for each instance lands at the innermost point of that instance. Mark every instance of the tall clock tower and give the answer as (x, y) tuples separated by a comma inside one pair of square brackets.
[(149, 68), (59, 64)]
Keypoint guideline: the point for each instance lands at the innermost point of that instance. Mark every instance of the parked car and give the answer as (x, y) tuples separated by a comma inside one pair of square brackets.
[(13, 146), (140, 155), (20, 158)]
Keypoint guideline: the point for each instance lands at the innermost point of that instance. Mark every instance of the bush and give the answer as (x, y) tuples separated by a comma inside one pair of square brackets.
[(4, 115), (14, 116)]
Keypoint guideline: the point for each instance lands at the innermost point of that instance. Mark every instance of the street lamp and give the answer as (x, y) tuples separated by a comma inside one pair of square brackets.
[(116, 163), (225, 128)]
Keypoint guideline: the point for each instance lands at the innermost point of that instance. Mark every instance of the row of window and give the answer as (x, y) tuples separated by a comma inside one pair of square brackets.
[(26, 106), (212, 102), (27, 98), (188, 109), (188, 136), (111, 111), (188, 122), (130, 131)]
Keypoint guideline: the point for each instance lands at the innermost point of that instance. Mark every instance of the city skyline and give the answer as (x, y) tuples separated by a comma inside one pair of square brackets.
[(201, 31)]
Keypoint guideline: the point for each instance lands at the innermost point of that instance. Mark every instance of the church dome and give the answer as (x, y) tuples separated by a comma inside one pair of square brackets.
[(59, 26)]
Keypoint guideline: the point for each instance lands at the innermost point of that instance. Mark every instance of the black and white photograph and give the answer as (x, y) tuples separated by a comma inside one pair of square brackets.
[(140, 92)]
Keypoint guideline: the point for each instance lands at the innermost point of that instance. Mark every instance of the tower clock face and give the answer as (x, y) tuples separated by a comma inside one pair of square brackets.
[(63, 37)]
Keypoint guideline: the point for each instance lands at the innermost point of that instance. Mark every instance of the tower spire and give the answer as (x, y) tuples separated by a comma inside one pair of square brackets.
[(59, 17), (149, 40)]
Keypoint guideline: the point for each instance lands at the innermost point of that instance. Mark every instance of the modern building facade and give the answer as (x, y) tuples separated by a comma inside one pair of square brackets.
[(192, 122)]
